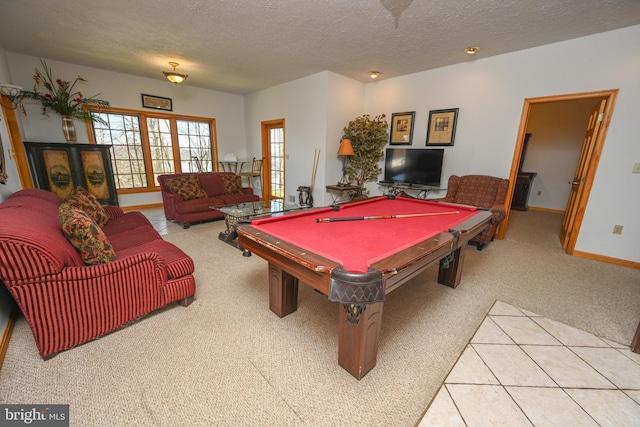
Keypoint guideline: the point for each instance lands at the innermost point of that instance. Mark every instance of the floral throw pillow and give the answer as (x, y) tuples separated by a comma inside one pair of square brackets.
[(83, 200), (232, 183), (85, 235), (187, 186)]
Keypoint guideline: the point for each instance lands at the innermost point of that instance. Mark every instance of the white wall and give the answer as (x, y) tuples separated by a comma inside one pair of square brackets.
[(316, 109), (124, 91), (303, 105), (557, 133), (490, 94), (345, 103)]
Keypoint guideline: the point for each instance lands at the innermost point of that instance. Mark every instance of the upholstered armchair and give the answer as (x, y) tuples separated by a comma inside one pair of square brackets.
[(482, 191)]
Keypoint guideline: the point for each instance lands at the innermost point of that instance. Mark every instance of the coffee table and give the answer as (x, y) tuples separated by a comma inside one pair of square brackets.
[(249, 210)]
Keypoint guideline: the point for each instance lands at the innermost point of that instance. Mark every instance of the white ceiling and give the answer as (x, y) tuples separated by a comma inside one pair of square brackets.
[(243, 46)]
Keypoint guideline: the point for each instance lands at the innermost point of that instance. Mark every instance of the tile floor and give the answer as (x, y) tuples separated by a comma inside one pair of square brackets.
[(521, 369)]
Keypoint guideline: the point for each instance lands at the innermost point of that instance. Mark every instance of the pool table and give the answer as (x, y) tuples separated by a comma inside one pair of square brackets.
[(356, 253)]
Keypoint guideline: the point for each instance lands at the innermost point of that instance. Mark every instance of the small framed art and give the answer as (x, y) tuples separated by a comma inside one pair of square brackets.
[(442, 126), (157, 102), (402, 128)]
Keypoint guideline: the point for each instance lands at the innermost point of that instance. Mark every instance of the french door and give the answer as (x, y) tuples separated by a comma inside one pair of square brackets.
[(273, 152)]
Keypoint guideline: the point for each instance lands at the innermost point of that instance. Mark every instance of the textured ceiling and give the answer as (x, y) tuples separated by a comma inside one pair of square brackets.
[(243, 46)]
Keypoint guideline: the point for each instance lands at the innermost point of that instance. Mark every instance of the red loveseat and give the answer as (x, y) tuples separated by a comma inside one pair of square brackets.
[(187, 197), (67, 302)]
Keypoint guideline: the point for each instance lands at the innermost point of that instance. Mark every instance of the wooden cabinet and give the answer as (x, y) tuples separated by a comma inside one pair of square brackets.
[(524, 181), (60, 167)]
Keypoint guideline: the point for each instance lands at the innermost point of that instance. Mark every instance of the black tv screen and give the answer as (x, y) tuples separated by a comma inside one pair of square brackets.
[(414, 166)]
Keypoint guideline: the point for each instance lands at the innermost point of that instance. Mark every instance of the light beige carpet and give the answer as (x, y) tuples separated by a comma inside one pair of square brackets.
[(226, 360)]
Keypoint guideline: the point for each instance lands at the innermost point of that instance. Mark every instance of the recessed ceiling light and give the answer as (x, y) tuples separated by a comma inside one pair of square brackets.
[(374, 74), (472, 50)]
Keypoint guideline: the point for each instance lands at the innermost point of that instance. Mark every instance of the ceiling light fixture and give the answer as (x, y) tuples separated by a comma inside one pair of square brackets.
[(472, 50), (12, 93), (174, 76), (374, 74)]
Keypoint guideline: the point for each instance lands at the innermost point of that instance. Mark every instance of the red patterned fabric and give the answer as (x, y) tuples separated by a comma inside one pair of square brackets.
[(82, 199), (186, 186), (85, 235), (232, 184), (481, 191), (67, 303), (197, 210)]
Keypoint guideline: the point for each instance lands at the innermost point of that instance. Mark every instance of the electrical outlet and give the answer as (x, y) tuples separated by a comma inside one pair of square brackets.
[(636, 168), (617, 229), (292, 199)]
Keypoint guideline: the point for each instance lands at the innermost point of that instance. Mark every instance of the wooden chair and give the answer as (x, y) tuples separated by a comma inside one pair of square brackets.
[(255, 172)]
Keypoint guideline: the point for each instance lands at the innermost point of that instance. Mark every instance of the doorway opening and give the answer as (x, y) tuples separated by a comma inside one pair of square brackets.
[(585, 168), (273, 153)]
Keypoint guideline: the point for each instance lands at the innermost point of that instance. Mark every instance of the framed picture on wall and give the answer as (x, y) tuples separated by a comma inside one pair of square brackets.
[(157, 102), (442, 127), (402, 128)]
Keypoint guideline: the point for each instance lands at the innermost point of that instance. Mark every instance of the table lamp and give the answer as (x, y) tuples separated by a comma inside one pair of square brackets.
[(346, 151)]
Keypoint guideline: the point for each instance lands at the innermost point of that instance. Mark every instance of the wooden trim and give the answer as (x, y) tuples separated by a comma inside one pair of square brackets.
[(611, 96), (609, 260), (6, 336), (266, 127), (555, 211), (17, 147), (152, 185), (140, 207), (592, 168), (145, 113)]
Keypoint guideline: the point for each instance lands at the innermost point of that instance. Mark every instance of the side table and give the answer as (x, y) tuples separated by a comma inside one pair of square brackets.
[(343, 193)]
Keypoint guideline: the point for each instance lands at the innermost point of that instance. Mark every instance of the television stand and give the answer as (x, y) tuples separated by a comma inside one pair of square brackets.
[(397, 187)]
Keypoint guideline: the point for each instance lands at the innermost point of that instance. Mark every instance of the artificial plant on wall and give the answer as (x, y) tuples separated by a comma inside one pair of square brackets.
[(368, 137)]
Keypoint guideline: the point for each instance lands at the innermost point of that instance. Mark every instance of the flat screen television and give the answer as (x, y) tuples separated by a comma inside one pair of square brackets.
[(421, 166)]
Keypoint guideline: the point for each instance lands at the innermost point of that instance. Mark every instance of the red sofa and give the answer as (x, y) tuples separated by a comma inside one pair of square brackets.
[(215, 189), (67, 302)]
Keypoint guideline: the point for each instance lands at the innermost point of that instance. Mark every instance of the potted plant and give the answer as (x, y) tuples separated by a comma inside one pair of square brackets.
[(368, 138), (60, 96)]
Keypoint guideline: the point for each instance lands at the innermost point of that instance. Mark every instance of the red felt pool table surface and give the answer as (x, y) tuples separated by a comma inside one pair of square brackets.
[(358, 262), (359, 243)]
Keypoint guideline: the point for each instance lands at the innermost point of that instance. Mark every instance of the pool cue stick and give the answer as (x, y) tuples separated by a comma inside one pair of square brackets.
[(364, 218), (316, 160)]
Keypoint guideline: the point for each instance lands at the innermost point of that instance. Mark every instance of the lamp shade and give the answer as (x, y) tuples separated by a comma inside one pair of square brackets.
[(346, 149), (174, 76)]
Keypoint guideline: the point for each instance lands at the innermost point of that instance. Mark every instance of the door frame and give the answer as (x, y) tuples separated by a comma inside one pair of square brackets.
[(265, 127), (610, 98)]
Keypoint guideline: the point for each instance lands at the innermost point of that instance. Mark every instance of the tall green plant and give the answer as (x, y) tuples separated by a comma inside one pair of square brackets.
[(368, 137)]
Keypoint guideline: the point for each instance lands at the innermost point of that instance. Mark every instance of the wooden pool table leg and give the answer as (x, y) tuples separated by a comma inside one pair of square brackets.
[(358, 342), (450, 270), (283, 291)]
